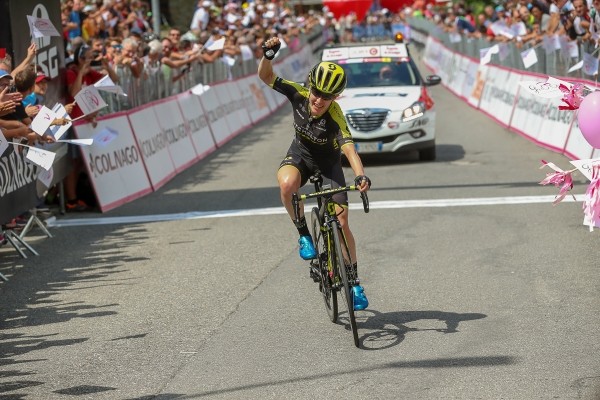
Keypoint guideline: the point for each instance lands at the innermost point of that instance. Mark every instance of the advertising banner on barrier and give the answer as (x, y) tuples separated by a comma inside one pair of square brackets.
[(216, 113), (470, 68), (555, 127), (577, 148), (280, 70), (273, 97), (153, 145), (18, 178), (530, 109), (499, 94), (114, 162), (454, 75), (474, 98), (255, 100), (197, 123), (175, 133), (432, 54), (235, 111)]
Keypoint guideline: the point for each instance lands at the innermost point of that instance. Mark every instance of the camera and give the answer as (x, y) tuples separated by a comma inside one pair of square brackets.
[(96, 62)]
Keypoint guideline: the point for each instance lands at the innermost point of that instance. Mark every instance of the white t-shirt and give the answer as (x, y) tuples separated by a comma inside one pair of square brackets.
[(200, 19)]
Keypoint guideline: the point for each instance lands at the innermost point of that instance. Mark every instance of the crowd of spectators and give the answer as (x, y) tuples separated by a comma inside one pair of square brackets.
[(522, 22), (116, 38), (120, 32)]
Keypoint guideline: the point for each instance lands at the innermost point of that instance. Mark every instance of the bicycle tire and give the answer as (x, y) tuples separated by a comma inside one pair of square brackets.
[(329, 294), (347, 289)]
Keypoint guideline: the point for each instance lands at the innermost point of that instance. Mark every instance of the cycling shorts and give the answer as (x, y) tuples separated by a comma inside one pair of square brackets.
[(331, 172)]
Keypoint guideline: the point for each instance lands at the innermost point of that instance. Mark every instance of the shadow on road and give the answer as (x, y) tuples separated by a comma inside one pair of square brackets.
[(457, 362), (378, 331)]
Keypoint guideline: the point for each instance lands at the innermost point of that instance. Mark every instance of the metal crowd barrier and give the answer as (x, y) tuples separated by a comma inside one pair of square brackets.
[(554, 63), (155, 83)]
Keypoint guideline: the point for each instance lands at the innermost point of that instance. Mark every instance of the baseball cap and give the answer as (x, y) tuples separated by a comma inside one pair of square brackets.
[(40, 77), (3, 74)]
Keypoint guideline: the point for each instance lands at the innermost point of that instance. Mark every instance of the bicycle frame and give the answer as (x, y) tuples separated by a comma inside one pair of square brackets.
[(331, 243)]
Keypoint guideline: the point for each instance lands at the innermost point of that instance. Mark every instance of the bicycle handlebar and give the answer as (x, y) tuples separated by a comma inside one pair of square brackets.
[(296, 199)]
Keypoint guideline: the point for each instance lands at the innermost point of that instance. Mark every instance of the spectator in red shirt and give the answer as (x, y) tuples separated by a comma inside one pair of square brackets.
[(81, 74)]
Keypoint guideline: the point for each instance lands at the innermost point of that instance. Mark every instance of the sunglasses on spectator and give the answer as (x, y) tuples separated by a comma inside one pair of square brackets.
[(322, 95)]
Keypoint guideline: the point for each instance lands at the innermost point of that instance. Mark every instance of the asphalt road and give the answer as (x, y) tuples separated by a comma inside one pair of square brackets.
[(468, 300)]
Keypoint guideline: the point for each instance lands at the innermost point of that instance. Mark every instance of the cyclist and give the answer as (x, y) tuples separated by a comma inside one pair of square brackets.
[(320, 133)]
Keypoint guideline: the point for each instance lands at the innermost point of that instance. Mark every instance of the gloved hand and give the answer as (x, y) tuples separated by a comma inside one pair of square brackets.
[(269, 49), (360, 178)]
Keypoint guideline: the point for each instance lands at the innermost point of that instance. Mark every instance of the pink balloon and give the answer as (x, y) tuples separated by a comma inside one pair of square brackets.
[(588, 118)]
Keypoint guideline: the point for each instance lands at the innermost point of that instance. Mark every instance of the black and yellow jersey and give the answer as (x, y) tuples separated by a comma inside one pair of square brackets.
[(316, 137)]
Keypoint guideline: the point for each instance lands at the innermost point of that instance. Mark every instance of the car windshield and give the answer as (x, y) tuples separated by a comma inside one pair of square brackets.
[(371, 74)]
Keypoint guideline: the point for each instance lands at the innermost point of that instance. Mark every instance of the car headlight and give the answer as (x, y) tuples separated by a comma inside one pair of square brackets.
[(415, 111)]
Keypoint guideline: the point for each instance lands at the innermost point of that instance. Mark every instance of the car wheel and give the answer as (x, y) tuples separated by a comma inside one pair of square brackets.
[(427, 154)]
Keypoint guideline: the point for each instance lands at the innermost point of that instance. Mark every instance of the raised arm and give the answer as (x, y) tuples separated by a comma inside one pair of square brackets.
[(265, 67)]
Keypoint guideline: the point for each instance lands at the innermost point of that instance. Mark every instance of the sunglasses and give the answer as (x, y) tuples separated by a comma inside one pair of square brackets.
[(321, 95)]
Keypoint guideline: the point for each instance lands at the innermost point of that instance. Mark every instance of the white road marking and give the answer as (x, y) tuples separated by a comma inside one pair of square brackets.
[(375, 205)]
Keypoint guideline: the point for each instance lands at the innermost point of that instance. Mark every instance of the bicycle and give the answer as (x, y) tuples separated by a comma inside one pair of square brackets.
[(330, 268)]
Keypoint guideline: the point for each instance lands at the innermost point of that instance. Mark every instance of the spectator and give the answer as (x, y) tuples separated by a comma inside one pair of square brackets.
[(129, 57), (74, 20), (78, 76), (201, 17), (559, 11)]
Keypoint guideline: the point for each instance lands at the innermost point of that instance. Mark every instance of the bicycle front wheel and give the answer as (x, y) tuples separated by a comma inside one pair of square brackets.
[(340, 243), (320, 240)]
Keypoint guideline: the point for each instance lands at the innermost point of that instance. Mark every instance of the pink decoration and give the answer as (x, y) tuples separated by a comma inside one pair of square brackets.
[(591, 202), (572, 97), (589, 118), (559, 178)]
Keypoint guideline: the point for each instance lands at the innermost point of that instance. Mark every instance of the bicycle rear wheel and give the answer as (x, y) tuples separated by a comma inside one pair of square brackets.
[(340, 242), (320, 241)]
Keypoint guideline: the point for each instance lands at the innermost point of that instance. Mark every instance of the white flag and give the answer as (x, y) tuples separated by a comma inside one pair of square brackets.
[(41, 27), (59, 130), (576, 67), (46, 177), (43, 120), (586, 166), (108, 85), (89, 100), (43, 158), (485, 55), (217, 45), (546, 90), (590, 64), (529, 57), (246, 52), (3, 143), (78, 142)]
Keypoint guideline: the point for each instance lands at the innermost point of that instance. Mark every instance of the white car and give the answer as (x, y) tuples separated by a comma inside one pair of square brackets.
[(386, 103)]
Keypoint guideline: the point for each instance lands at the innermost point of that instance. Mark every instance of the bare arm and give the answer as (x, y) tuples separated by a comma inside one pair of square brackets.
[(31, 50), (355, 163)]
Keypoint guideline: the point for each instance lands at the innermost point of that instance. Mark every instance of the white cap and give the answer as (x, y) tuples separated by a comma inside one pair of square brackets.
[(206, 3)]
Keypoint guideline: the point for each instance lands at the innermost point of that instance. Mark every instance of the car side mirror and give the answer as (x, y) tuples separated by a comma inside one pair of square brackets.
[(432, 80)]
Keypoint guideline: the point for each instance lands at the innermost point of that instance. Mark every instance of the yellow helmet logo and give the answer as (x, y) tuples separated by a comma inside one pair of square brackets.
[(328, 77)]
